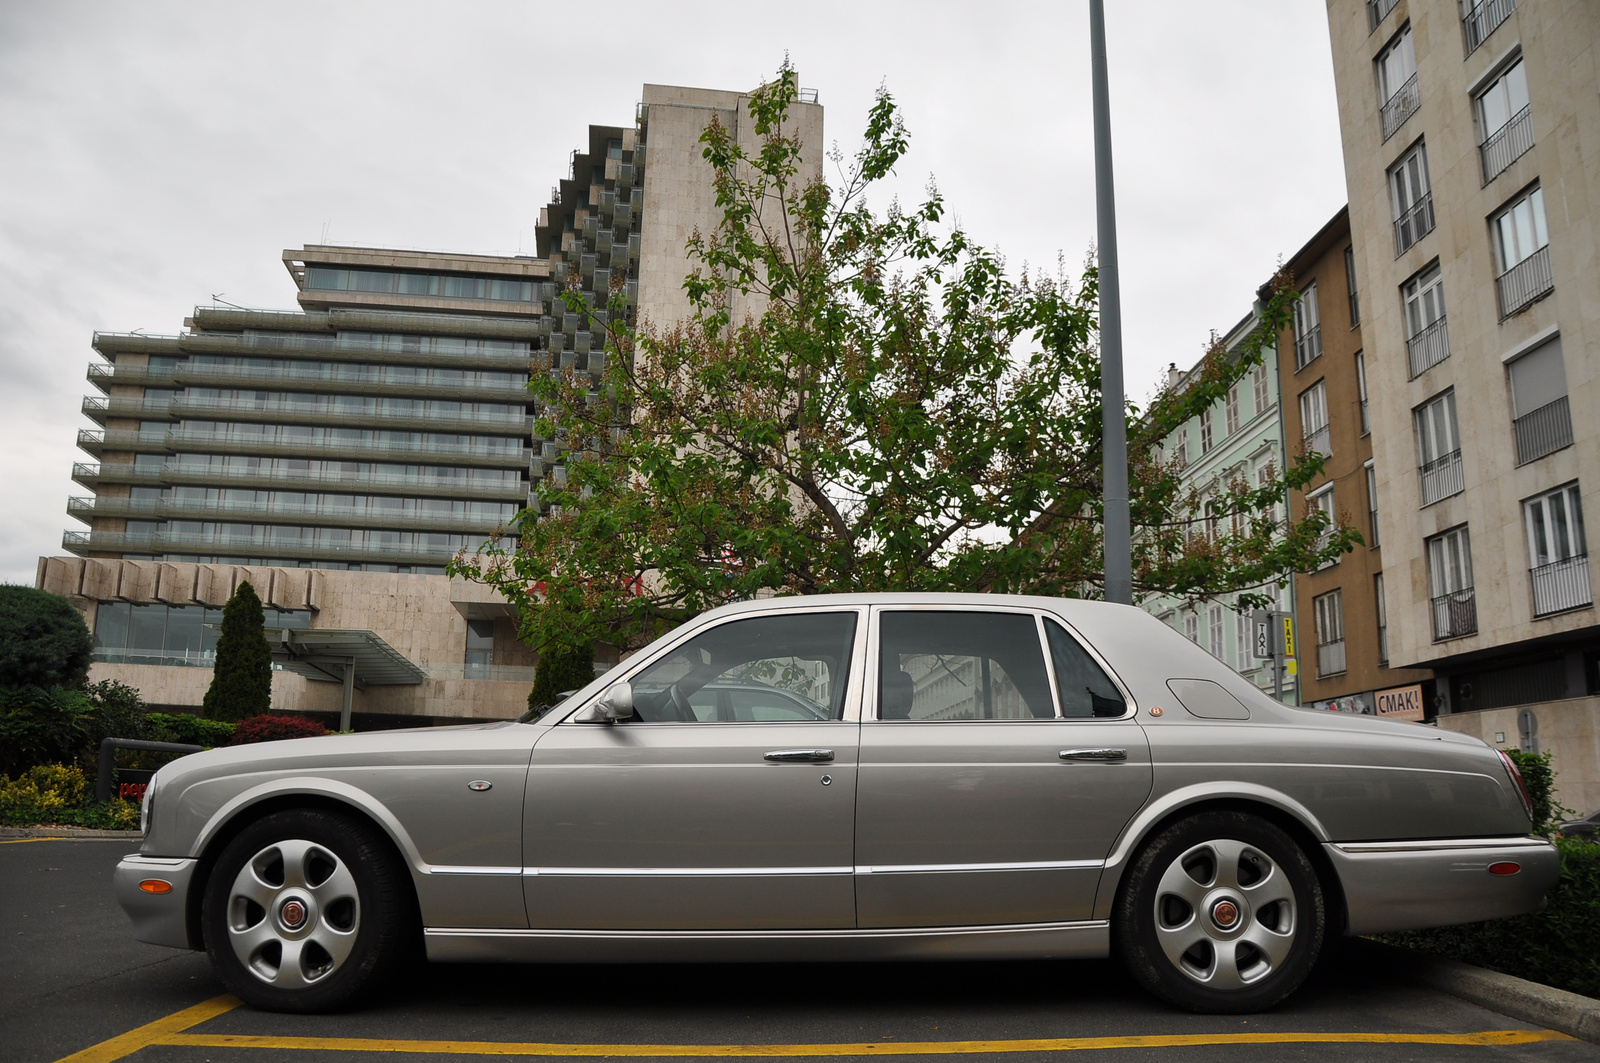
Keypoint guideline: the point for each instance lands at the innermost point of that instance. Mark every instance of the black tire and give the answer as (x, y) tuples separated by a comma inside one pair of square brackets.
[(352, 928), (1181, 940)]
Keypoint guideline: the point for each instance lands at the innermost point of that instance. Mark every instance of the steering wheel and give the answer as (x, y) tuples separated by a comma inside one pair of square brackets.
[(680, 704)]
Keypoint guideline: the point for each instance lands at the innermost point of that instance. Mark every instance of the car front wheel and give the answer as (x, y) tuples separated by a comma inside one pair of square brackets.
[(302, 910), (1221, 912)]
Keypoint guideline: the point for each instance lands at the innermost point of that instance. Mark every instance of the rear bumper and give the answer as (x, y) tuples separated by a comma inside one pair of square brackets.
[(158, 918), (1415, 884)]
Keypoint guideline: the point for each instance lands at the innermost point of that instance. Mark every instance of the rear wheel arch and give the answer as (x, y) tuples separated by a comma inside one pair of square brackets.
[(243, 817)]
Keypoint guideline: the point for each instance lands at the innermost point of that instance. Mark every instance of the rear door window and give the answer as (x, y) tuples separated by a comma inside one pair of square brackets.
[(936, 665), (1086, 691)]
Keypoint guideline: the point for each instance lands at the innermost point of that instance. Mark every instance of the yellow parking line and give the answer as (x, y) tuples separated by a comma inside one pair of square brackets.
[(153, 1032), (900, 1048), (19, 841)]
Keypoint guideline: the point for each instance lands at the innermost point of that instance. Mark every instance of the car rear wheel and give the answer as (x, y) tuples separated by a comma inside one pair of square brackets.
[(1221, 913), (304, 910)]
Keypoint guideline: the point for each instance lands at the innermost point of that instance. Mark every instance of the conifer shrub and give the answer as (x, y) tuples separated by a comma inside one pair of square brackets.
[(241, 681)]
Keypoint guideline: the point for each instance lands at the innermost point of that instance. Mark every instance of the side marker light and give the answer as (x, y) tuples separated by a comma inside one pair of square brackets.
[(1504, 867), (155, 885)]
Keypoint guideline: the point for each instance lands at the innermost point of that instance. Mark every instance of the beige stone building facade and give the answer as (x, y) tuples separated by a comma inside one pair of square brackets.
[(339, 456), (1470, 130), (1344, 656)]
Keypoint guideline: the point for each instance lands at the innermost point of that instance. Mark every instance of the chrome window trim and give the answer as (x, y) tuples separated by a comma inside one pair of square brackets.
[(625, 671)]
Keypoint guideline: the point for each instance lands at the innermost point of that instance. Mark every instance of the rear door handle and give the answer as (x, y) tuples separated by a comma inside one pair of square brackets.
[(801, 756), (1094, 754)]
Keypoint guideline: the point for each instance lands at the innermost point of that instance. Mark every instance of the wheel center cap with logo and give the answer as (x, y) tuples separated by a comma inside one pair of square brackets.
[(1225, 914), (293, 913)]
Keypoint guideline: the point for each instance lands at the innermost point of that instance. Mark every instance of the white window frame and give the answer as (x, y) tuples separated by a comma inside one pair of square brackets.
[(1322, 500), (1265, 471), (1230, 410), (1191, 626), (1553, 522), (1381, 609), (1372, 500), (1258, 382), (1243, 659), (1437, 431), (1519, 229), (1361, 390), (1314, 413), (1397, 64), (1205, 431), (1217, 644), (1450, 562), (1307, 328), (1423, 299), (1507, 94)]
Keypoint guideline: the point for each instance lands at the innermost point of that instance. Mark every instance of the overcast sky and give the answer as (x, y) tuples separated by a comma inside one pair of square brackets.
[(153, 155)]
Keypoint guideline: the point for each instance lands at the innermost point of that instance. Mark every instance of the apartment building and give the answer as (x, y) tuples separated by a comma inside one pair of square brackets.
[(1239, 438), (1467, 127), (338, 455), (1340, 608)]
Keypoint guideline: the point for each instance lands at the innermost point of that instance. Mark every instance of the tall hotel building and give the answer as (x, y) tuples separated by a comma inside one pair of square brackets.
[(1470, 132), (339, 455)]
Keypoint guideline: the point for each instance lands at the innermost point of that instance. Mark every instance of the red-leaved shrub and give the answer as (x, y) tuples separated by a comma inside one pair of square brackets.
[(272, 728)]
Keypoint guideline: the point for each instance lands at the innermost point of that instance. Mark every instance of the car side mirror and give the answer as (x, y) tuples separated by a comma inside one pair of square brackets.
[(615, 702)]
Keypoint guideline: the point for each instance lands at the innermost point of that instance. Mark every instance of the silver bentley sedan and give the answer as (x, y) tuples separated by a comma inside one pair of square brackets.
[(895, 776)]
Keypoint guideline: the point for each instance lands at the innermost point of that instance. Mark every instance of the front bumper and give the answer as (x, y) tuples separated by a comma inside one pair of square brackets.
[(158, 918), (1415, 884)]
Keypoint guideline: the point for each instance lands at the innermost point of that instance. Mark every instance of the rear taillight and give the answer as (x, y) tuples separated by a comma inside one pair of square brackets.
[(1516, 779)]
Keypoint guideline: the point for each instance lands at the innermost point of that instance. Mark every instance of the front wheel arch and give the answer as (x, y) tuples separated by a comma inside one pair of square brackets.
[(294, 802)]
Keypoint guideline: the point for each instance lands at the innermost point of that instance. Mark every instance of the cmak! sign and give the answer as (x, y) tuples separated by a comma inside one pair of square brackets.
[(1401, 703)]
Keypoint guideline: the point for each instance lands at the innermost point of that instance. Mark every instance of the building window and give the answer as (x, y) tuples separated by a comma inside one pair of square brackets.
[(1314, 418), (1455, 607), (1329, 611), (1350, 286), (1542, 419), (1427, 336), (1411, 198), (1376, 10), (1258, 383), (1191, 627), (1522, 248), (1214, 632), (1361, 391), (1505, 121), (1397, 81), (1243, 659), (1382, 609), (1205, 430), (480, 648), (1307, 327), (1479, 18), (1558, 558), (1438, 448), (1180, 448), (1372, 502), (1321, 501), (1266, 472), (1212, 507), (1230, 410)]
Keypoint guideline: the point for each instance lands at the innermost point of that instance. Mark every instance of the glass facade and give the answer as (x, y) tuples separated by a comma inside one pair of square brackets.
[(135, 633)]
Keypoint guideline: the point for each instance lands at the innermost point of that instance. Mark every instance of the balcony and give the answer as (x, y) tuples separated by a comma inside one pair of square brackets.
[(1428, 348), (250, 549), (1525, 283), (1561, 585), (1308, 347), (514, 392), (1507, 144), (1454, 614), (97, 443), (1442, 477), (1484, 18), (1330, 658), (1402, 105), (1543, 431), (1413, 224), (86, 509), (1319, 440), (425, 484)]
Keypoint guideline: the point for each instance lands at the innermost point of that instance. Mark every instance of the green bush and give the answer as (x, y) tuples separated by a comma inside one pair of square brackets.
[(193, 730), (1540, 778), (560, 669), (40, 726), (57, 794), (43, 640)]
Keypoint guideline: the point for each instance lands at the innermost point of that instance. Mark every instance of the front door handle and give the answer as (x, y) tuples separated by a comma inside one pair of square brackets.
[(801, 756), (1094, 754)]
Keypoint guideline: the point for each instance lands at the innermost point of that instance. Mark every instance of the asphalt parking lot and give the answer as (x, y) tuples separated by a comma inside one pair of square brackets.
[(74, 984)]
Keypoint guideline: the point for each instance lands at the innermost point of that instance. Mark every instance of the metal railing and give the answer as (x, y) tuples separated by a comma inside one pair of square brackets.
[(1525, 283), (1400, 106), (1543, 431), (108, 752), (1507, 144), (513, 392), (1428, 348), (1561, 585), (254, 546), (1330, 658), (1308, 347), (1483, 19), (1442, 477), (280, 513), (1455, 613), (1319, 440), (1413, 224), (204, 474)]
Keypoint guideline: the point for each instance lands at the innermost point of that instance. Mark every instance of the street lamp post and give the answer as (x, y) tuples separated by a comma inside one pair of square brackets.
[(1114, 442)]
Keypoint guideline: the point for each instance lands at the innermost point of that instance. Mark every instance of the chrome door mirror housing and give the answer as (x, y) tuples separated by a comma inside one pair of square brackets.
[(614, 703)]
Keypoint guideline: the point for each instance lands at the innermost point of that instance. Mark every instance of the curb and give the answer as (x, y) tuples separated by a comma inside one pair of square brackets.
[(1519, 998), (71, 833)]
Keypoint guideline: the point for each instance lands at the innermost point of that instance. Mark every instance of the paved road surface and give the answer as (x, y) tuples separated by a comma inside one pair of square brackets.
[(72, 978)]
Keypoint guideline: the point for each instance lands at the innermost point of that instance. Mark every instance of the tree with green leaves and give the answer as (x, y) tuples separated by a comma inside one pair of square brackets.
[(44, 642), (899, 413), (560, 669), (241, 682)]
